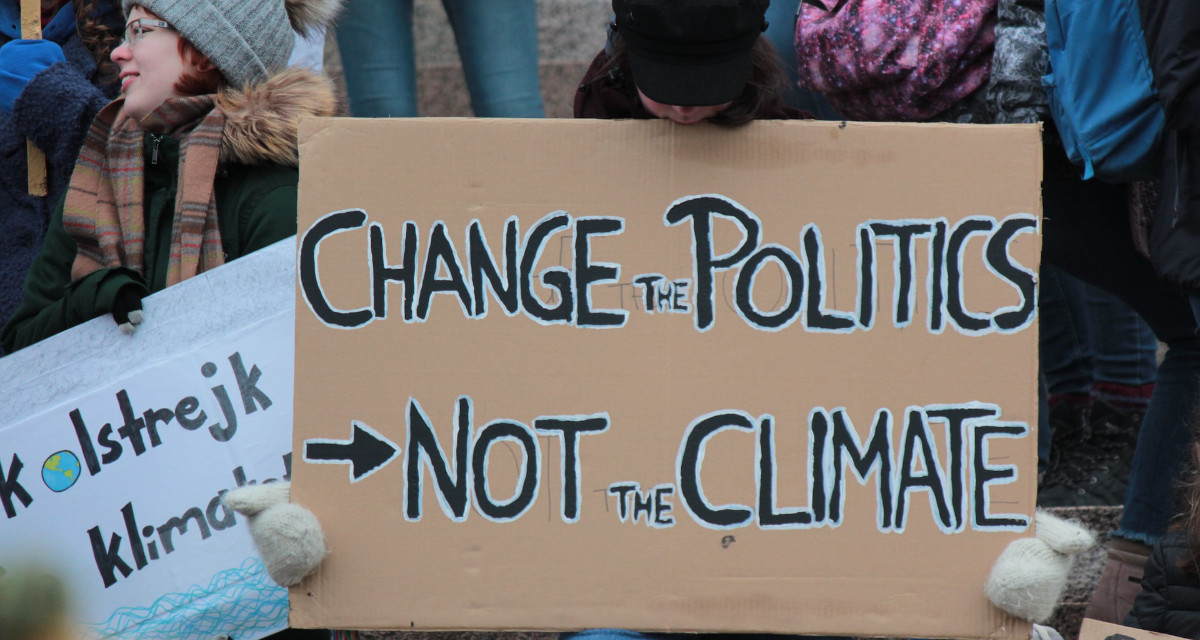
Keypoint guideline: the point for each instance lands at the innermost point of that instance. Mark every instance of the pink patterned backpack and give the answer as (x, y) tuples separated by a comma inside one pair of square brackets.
[(906, 60)]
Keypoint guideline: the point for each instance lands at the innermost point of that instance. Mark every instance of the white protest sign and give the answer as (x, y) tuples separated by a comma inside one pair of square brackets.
[(114, 452)]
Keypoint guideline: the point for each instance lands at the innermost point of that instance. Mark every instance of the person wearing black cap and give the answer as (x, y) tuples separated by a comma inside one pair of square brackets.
[(687, 61)]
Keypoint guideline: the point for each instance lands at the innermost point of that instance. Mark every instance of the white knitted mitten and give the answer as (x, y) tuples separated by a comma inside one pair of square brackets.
[(1029, 576), (287, 535)]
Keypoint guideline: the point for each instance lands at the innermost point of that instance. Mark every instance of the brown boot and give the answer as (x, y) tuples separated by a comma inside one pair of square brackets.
[(1120, 582)]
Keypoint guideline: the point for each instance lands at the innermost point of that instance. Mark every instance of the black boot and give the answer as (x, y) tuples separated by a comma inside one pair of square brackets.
[(1069, 430), (1114, 434), (1096, 470)]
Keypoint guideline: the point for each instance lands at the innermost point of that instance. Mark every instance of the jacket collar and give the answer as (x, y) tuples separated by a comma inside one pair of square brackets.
[(263, 119)]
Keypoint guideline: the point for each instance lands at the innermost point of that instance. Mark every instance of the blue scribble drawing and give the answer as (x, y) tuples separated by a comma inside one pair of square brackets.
[(237, 602)]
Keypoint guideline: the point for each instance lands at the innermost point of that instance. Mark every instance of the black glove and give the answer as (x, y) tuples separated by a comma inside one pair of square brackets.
[(127, 308)]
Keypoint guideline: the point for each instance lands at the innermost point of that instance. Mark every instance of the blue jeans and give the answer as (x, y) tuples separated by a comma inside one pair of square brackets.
[(1088, 335), (497, 42), (781, 29), (1086, 233)]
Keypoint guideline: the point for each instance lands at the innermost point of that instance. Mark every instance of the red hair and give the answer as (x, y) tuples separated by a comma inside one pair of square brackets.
[(205, 80)]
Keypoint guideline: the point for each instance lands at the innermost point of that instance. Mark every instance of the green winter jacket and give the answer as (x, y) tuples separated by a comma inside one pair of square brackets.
[(255, 194)]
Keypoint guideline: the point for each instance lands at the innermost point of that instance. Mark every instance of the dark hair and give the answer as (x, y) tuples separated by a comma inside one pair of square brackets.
[(199, 82), (1189, 494), (764, 88), (98, 38)]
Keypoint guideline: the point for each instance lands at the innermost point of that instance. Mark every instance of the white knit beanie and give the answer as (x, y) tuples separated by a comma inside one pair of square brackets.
[(247, 40)]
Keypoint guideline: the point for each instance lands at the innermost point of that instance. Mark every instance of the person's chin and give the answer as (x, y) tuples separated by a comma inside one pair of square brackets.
[(135, 110)]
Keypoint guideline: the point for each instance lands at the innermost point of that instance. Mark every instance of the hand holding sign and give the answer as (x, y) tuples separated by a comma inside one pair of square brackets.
[(127, 308), (287, 535), (1028, 578)]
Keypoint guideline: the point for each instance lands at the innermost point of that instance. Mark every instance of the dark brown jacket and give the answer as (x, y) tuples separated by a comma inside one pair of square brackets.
[(609, 96)]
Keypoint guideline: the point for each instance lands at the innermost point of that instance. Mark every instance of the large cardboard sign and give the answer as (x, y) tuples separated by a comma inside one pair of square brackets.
[(114, 452), (568, 374)]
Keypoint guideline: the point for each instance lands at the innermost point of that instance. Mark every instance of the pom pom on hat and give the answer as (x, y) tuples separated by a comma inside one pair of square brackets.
[(307, 16)]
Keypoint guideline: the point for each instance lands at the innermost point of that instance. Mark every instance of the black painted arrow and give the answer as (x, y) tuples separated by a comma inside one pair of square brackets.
[(365, 452)]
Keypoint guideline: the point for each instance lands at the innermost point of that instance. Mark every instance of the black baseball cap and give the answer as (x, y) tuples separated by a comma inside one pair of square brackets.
[(690, 53)]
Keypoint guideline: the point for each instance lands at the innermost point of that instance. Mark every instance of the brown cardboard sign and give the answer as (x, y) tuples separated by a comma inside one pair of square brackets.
[(1097, 630), (568, 374)]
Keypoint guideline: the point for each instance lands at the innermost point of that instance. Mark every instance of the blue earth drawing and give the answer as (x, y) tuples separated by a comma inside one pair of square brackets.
[(60, 471)]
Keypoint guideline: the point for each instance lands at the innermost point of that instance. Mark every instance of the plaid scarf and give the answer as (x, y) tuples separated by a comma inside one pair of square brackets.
[(103, 210)]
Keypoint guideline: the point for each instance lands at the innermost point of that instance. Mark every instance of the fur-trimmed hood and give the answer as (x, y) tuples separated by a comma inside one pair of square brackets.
[(262, 120)]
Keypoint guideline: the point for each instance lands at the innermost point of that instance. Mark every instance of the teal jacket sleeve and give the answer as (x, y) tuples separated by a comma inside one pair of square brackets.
[(52, 303)]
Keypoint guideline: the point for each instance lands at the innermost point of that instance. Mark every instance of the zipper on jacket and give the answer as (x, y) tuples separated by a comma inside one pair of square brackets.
[(156, 140)]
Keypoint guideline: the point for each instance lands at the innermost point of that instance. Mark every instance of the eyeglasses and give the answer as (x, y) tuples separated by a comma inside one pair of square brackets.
[(138, 28)]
